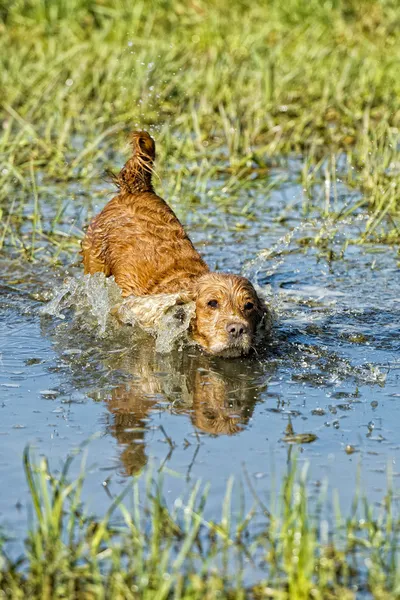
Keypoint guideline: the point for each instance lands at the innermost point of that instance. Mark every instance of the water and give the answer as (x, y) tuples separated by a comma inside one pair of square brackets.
[(330, 370)]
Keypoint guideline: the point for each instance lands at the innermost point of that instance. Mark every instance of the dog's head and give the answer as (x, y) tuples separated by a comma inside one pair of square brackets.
[(228, 312)]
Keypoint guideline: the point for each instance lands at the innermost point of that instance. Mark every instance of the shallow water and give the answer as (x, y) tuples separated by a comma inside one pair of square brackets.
[(330, 370)]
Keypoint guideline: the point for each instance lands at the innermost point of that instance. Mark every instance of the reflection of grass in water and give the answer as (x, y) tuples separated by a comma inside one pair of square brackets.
[(155, 551), (213, 81)]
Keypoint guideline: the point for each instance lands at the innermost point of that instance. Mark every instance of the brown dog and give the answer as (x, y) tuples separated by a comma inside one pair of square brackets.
[(138, 239)]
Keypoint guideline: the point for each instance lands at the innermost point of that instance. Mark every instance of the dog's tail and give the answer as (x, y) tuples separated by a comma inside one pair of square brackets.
[(135, 176)]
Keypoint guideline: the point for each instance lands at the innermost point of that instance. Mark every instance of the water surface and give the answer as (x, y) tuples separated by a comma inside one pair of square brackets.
[(328, 376)]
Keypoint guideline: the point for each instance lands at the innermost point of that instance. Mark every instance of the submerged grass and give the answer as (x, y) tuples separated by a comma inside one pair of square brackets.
[(225, 86), (146, 549)]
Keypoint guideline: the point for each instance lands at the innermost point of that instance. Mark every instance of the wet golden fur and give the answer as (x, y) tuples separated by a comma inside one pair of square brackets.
[(138, 239)]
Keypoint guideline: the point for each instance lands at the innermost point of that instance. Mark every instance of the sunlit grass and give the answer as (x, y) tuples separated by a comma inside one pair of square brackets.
[(144, 548), (221, 86)]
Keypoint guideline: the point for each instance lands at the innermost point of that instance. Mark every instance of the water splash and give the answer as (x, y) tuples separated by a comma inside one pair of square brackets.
[(96, 301), (270, 259), (88, 296)]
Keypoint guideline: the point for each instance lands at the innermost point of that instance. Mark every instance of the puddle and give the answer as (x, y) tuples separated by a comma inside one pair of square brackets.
[(326, 383)]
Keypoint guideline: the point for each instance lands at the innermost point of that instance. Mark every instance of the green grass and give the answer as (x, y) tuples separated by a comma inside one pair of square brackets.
[(224, 86), (143, 548)]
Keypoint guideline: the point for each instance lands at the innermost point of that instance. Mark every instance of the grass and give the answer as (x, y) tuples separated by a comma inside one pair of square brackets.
[(226, 87), (143, 548)]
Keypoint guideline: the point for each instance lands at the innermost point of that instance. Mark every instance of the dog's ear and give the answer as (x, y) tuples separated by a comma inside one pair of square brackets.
[(266, 315), (147, 311)]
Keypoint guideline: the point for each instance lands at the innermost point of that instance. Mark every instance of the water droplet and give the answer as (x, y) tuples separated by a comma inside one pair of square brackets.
[(349, 449)]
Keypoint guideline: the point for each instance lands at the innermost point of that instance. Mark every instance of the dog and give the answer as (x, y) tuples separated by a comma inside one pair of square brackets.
[(138, 239)]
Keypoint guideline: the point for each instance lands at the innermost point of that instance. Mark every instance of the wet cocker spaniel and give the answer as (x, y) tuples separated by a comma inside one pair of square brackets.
[(138, 239)]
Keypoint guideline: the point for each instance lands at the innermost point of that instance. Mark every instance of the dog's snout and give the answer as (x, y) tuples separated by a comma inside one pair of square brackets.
[(236, 330)]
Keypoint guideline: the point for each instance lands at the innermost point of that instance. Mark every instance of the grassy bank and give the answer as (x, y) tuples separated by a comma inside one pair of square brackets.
[(141, 548), (224, 86)]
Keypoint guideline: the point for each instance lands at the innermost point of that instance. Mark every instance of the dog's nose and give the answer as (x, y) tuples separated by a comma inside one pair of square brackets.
[(235, 330)]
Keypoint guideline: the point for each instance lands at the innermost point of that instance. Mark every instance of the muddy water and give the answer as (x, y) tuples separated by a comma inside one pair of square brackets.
[(326, 382)]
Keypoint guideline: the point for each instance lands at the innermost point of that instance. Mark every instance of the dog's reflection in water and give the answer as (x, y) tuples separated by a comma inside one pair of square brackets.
[(218, 396)]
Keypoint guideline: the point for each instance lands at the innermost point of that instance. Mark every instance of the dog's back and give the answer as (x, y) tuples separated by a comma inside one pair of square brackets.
[(137, 238)]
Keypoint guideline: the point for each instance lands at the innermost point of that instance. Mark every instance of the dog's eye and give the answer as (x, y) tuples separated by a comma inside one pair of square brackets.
[(213, 303), (248, 306)]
